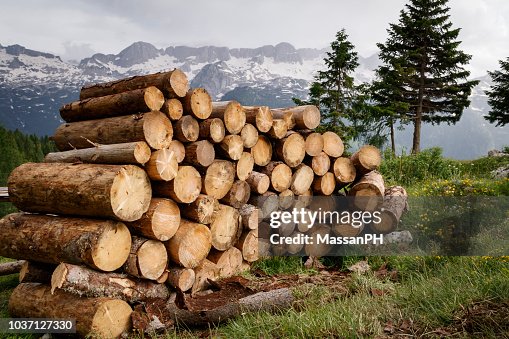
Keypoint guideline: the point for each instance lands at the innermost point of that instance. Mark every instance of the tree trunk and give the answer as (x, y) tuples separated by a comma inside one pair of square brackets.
[(249, 135), (320, 164), (278, 129), (84, 282), (344, 171), (280, 175), (162, 166), (248, 245), (153, 127), (260, 116), (125, 103), (160, 222), (368, 191), (416, 143), (366, 159), (213, 130), (178, 149), (135, 153), (11, 267), (225, 227), (324, 185), (291, 149), (231, 147), (147, 259), (245, 166), (249, 217), (185, 188), (117, 191), (190, 245), (205, 272), (173, 84), (258, 182), (262, 151), (198, 103), (332, 144), (202, 210), (395, 203), (218, 179), (186, 129), (200, 154), (393, 138), (100, 244), (314, 144), (305, 117), (181, 278), (232, 114), (227, 262), (33, 271), (173, 109), (238, 195), (93, 315), (302, 179)]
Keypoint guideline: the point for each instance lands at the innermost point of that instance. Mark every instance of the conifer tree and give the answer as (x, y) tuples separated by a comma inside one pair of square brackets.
[(498, 96)]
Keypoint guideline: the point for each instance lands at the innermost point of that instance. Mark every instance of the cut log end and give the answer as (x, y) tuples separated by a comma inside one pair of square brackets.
[(245, 166), (190, 245), (173, 109), (112, 247), (198, 103), (163, 165), (157, 129), (344, 171), (262, 151), (314, 144), (291, 149), (332, 144), (152, 259), (178, 83), (249, 135), (366, 159), (130, 193)]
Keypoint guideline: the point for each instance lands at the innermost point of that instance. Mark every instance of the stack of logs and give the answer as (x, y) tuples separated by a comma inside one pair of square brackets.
[(156, 188)]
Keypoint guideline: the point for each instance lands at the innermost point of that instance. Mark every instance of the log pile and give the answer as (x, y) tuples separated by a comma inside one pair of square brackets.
[(157, 188)]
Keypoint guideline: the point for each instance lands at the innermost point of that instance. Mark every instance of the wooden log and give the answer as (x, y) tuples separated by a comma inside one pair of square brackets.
[(314, 248), (84, 282), (279, 129), (305, 117), (302, 179), (100, 244), (366, 159), (173, 84), (346, 230), (205, 272), (249, 135), (286, 228), (249, 217), (244, 165), (212, 129), (135, 153), (125, 103), (181, 278), (186, 129), (277, 113), (199, 153), (332, 144), (185, 188), (286, 199), (262, 151), (260, 116), (162, 279), (33, 271), (314, 144), (198, 103), (218, 179), (368, 191), (11, 267), (238, 195), (201, 210), (147, 259), (394, 204), (258, 182), (227, 262), (324, 185), (303, 200), (248, 245), (162, 165), (231, 113), (153, 127), (116, 191), (280, 175), (271, 301), (296, 247), (178, 149), (320, 164), (267, 203), (231, 147), (160, 222), (4, 194), (101, 317), (190, 245), (225, 227), (344, 171), (291, 149), (305, 223), (244, 267), (173, 109)]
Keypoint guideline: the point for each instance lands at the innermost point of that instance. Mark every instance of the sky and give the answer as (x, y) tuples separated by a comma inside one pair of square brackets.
[(75, 29)]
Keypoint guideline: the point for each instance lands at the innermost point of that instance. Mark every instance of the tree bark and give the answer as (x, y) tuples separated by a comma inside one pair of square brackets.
[(258, 182), (260, 116), (181, 278), (162, 166), (187, 129), (36, 272), (116, 191), (232, 114), (93, 315), (249, 135), (305, 117), (202, 210), (153, 127), (262, 151), (213, 130), (280, 175), (332, 144), (218, 179), (238, 195), (231, 147), (225, 227), (190, 245), (185, 188), (135, 153), (291, 149), (173, 109), (125, 103), (395, 203), (198, 103), (173, 84), (199, 154), (160, 222), (244, 166), (366, 159), (100, 244)]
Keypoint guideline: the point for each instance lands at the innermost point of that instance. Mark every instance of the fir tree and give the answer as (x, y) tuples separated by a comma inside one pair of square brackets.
[(422, 78), (499, 95)]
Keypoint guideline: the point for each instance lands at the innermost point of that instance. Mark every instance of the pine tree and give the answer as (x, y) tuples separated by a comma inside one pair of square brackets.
[(499, 95), (422, 78)]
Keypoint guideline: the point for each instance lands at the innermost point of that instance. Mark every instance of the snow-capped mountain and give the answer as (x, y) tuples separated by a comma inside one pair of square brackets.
[(33, 85)]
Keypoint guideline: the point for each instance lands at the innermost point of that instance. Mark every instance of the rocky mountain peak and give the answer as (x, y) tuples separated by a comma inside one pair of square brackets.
[(137, 53)]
